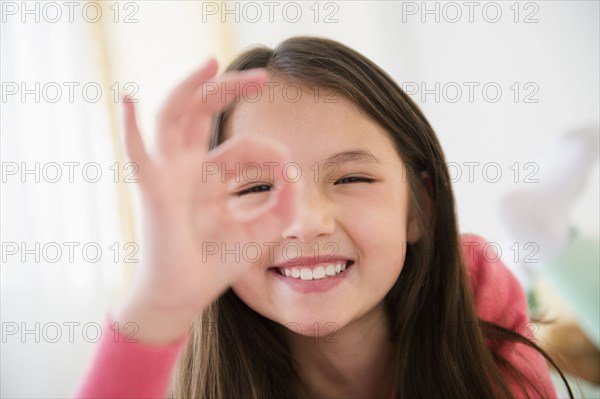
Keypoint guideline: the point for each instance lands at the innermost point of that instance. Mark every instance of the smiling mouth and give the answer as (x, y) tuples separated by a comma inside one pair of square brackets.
[(320, 272)]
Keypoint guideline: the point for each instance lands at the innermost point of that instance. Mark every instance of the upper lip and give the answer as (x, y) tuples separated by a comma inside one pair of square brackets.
[(311, 261)]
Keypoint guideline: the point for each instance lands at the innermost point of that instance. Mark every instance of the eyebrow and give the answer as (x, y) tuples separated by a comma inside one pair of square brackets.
[(353, 156)]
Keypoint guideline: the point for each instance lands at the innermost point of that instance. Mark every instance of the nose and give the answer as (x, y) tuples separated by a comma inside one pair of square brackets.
[(313, 216)]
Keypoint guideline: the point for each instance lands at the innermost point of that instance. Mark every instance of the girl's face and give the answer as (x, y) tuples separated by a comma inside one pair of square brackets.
[(352, 208)]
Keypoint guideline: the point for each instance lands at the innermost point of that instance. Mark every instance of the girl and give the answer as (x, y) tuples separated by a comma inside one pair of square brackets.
[(308, 247)]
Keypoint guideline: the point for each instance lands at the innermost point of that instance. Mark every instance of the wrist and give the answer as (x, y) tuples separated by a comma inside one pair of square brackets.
[(149, 324)]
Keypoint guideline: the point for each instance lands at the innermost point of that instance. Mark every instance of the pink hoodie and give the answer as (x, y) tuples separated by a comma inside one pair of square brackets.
[(122, 369)]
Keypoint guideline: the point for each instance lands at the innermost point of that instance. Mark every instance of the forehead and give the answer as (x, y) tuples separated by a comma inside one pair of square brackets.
[(308, 122)]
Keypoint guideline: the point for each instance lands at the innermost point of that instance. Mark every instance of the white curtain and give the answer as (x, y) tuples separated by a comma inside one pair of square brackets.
[(65, 192)]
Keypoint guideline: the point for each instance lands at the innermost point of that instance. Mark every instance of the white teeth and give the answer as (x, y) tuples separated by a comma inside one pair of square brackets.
[(305, 274), (318, 273), (330, 270)]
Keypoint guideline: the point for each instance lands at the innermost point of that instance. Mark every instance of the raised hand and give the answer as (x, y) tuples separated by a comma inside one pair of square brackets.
[(185, 207)]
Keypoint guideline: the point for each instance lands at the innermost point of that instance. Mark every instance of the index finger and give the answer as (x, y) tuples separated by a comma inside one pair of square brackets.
[(181, 95), (195, 123)]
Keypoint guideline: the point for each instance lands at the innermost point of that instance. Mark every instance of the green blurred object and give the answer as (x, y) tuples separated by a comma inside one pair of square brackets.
[(575, 274), (533, 303)]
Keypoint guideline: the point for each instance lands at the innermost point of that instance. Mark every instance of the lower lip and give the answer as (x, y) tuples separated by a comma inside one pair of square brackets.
[(306, 286)]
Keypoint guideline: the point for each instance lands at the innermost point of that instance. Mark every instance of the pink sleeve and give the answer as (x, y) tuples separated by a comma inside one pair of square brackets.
[(123, 368), (501, 300)]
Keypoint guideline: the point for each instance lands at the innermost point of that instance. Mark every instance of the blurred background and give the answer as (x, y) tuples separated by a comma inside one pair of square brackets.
[(502, 83)]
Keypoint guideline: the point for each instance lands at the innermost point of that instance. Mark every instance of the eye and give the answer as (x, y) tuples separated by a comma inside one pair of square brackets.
[(354, 179), (255, 189)]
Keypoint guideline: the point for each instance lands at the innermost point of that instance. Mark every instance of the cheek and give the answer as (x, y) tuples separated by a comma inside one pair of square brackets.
[(378, 231), (379, 220), (252, 287)]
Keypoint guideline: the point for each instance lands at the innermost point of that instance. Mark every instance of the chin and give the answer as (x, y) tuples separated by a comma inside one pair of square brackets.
[(323, 327), (323, 332)]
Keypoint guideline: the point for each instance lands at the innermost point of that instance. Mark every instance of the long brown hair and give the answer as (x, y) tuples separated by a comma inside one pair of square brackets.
[(235, 352)]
